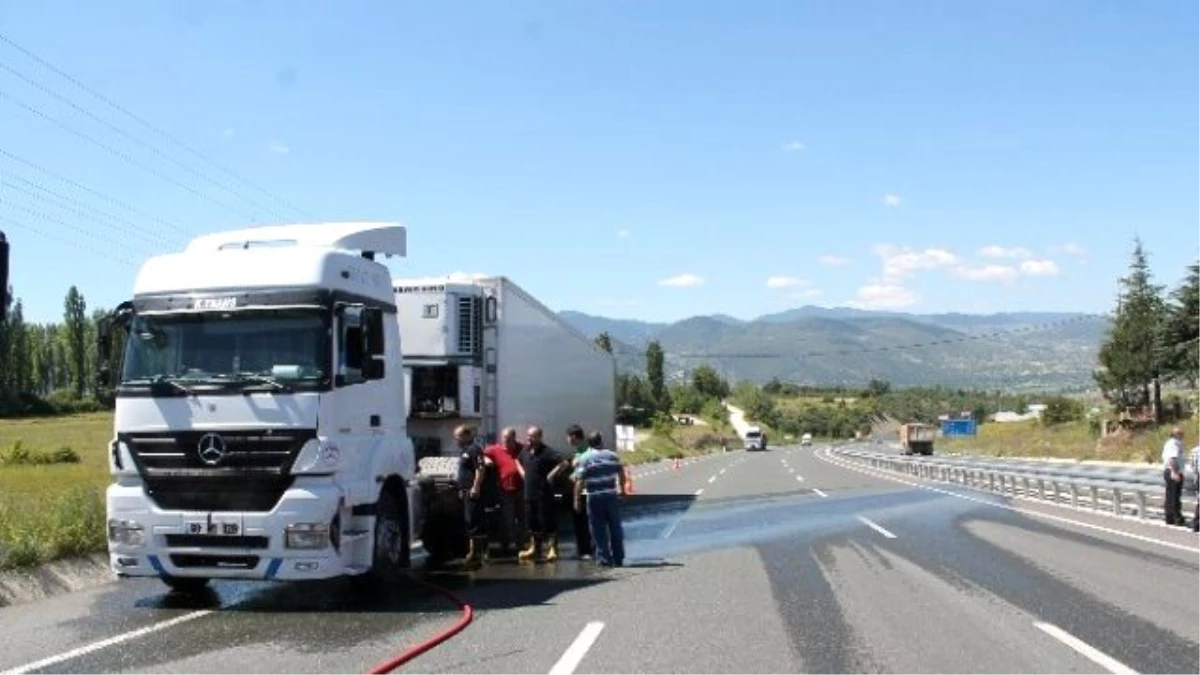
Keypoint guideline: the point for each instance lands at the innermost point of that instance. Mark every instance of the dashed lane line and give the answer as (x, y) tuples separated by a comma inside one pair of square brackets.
[(875, 526), (579, 648)]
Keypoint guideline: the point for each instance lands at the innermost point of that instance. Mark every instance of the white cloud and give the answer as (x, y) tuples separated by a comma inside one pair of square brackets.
[(1072, 250), (994, 251), (467, 276), (682, 281), (833, 261), (279, 148), (785, 282), (623, 233), (793, 146), (1002, 273), (884, 296), (891, 200), (1039, 268), (902, 261)]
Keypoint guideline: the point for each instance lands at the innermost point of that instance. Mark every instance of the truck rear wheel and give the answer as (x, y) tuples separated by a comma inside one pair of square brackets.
[(391, 553)]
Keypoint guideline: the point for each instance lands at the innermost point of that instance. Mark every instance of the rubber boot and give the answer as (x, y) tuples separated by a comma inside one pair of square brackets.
[(551, 548), (475, 551), (531, 552), (534, 551)]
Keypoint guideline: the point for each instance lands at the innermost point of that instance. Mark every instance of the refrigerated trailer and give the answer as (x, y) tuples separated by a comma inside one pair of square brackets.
[(261, 393)]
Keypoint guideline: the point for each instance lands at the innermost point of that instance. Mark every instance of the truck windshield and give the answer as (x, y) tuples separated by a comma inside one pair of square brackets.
[(284, 349)]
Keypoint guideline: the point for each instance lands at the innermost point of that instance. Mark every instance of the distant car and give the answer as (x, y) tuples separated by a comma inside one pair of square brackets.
[(806, 439)]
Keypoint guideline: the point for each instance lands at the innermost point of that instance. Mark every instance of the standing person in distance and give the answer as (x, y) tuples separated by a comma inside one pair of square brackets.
[(1172, 460), (600, 478)]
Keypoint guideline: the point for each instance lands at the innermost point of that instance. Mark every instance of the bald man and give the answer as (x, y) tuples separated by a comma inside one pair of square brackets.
[(509, 474)]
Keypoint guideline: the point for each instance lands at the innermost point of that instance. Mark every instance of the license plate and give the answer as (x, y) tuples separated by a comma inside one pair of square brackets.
[(214, 527)]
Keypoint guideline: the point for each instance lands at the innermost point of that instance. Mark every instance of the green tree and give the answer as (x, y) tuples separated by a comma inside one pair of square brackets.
[(1130, 355), (709, 383), (75, 321), (654, 374), (1181, 331)]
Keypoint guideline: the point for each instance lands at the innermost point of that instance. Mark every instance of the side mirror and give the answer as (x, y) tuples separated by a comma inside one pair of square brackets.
[(374, 347), (351, 346)]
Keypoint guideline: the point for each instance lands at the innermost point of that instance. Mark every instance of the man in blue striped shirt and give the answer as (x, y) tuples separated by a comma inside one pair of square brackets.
[(599, 476)]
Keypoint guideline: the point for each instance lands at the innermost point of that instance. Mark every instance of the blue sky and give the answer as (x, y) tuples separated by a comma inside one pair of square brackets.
[(651, 160)]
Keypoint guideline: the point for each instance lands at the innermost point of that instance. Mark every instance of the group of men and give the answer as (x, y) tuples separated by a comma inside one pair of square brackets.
[(512, 486)]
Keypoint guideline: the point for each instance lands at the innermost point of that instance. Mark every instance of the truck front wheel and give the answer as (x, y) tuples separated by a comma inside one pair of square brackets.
[(392, 552)]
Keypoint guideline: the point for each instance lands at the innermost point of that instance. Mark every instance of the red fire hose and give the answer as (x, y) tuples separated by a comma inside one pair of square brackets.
[(467, 614)]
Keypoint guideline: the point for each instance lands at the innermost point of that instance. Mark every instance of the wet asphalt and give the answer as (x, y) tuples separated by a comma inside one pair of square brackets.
[(780, 561)]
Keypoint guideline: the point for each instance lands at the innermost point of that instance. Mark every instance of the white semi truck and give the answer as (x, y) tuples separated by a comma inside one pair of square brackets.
[(262, 427)]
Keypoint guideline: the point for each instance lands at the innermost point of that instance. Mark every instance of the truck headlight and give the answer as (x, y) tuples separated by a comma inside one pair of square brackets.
[(126, 532), (307, 535)]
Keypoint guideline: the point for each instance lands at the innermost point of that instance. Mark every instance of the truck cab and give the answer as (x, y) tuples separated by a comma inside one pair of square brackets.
[(260, 428), (806, 439)]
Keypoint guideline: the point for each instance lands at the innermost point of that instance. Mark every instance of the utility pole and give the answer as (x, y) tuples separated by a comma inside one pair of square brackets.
[(3, 277)]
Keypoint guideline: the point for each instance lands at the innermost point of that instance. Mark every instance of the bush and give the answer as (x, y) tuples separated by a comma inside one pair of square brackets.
[(68, 524), (19, 455), (1060, 410)]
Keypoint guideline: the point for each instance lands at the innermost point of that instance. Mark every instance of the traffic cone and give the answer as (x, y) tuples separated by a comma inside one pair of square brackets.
[(628, 483)]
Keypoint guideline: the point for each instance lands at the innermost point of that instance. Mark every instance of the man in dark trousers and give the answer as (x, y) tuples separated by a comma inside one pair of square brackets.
[(542, 466), (583, 535), (600, 478), (472, 472), (503, 458)]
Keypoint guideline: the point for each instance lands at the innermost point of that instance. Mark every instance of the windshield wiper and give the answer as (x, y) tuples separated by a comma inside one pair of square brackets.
[(262, 379), (159, 380)]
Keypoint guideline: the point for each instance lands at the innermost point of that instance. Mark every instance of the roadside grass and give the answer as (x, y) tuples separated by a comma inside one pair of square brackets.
[(683, 441), (1071, 440), (55, 509)]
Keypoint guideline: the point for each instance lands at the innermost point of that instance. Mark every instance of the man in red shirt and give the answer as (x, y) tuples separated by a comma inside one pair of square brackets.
[(511, 475)]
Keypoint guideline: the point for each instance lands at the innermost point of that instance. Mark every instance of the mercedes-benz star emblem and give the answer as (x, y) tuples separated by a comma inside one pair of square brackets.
[(211, 449)]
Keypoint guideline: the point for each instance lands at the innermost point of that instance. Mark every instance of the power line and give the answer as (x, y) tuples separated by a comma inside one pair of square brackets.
[(99, 195), (47, 232), (157, 130), (124, 134), (120, 154)]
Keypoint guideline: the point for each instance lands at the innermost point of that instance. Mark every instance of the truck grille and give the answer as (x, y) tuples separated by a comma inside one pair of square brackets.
[(238, 470)]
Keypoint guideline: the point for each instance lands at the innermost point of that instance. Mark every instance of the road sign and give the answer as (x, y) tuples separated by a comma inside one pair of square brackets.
[(952, 428)]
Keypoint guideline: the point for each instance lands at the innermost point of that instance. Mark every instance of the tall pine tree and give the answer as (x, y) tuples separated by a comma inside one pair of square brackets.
[(1130, 355), (75, 321), (1181, 331)]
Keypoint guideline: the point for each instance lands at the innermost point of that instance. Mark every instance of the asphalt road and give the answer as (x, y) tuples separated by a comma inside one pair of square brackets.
[(788, 560)]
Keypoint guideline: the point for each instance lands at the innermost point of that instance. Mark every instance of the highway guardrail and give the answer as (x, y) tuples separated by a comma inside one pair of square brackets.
[(1120, 490)]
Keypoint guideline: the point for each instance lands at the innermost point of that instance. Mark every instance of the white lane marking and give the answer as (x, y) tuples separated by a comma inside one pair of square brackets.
[(722, 472), (876, 527), (712, 479), (800, 478), (699, 492), (1095, 655), (818, 491), (1028, 512), (578, 649), (109, 642)]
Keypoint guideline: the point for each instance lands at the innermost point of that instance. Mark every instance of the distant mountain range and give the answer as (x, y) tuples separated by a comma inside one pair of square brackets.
[(841, 345)]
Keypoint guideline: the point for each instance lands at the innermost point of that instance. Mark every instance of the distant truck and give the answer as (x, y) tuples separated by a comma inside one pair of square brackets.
[(806, 439), (916, 438), (755, 439)]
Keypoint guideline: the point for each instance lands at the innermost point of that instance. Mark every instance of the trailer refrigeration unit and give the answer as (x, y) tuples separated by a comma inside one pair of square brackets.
[(485, 352)]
